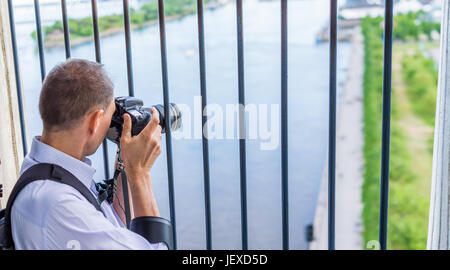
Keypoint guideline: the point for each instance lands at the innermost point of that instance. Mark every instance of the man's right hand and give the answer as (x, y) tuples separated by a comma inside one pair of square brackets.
[(140, 152)]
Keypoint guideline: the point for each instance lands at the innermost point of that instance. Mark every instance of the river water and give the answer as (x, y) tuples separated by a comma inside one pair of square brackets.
[(308, 111)]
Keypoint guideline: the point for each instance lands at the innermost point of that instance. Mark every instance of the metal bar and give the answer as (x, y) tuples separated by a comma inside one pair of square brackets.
[(386, 122), (126, 14), (98, 58), (17, 75), (37, 12), (284, 123), (206, 176), (98, 53), (332, 127), (66, 28), (165, 81), (242, 145)]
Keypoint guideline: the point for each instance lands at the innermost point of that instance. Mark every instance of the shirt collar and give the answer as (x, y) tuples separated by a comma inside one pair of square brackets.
[(44, 153)]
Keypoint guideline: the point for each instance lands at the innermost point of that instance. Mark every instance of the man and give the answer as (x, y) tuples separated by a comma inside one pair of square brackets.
[(76, 106)]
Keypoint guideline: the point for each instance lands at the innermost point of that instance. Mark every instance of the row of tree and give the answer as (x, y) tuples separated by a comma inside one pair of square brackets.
[(408, 205), (138, 17)]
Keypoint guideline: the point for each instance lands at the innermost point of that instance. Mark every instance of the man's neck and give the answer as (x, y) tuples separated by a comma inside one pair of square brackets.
[(65, 141)]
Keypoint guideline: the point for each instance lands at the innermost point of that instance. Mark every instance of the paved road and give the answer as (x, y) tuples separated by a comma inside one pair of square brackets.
[(349, 163)]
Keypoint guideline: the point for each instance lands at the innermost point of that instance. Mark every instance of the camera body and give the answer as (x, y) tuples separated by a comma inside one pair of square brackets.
[(140, 117)]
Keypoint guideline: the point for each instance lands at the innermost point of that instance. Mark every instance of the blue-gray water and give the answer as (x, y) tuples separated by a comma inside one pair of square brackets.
[(308, 112)]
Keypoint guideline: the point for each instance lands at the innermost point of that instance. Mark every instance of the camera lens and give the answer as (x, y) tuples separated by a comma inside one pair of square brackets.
[(175, 117)]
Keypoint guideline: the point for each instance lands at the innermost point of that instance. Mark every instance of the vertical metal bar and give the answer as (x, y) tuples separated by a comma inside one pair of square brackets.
[(126, 199), (206, 176), (17, 75), (386, 121), (242, 144), (66, 28), (126, 14), (332, 127), (98, 54), (37, 12), (98, 58), (284, 123), (165, 81)]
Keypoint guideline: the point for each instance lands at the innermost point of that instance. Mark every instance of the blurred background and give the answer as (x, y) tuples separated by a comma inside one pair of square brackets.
[(360, 56)]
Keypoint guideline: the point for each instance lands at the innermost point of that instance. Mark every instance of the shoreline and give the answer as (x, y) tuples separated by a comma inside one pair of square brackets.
[(349, 163), (58, 41)]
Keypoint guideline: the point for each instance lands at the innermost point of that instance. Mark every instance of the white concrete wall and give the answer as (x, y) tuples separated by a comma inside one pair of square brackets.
[(11, 153), (438, 230)]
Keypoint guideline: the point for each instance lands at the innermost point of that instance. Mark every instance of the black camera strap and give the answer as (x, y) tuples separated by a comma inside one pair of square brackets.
[(41, 171), (107, 189), (120, 170)]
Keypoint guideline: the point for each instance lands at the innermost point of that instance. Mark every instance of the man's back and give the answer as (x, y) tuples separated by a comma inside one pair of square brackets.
[(35, 210), (51, 215)]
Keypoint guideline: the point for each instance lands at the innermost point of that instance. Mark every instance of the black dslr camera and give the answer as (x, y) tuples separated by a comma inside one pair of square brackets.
[(140, 117)]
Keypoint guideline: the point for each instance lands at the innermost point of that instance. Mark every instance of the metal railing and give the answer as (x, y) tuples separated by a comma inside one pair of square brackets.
[(387, 70)]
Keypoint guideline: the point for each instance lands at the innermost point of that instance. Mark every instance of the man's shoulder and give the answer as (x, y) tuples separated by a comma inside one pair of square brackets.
[(36, 209), (44, 190), (37, 198)]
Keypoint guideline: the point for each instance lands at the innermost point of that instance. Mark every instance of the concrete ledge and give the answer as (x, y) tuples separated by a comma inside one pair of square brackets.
[(10, 135), (438, 229)]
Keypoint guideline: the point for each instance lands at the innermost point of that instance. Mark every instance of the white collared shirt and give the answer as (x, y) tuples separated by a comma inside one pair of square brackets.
[(51, 215)]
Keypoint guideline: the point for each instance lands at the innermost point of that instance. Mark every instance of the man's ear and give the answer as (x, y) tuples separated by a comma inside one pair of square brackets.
[(95, 119)]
